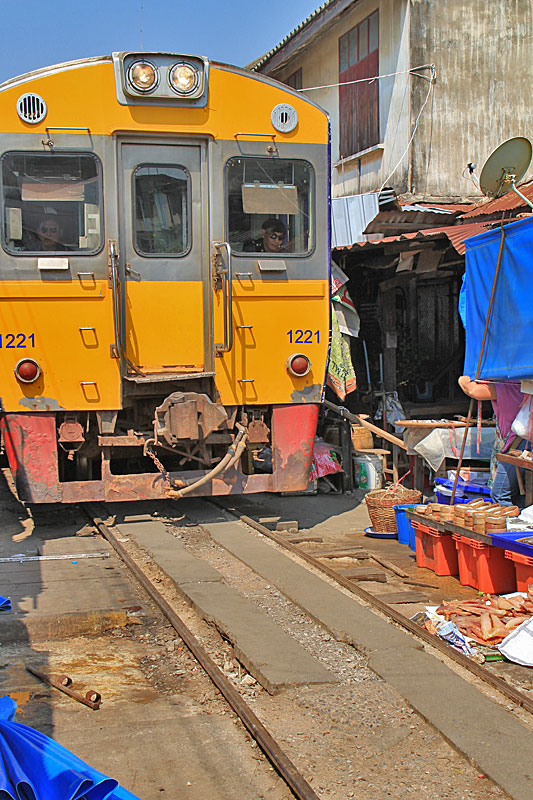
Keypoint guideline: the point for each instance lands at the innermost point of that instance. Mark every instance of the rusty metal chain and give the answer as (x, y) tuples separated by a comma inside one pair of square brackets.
[(149, 452)]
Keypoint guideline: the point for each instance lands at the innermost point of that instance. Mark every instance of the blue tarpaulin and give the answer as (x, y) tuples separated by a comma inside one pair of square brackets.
[(508, 353), (34, 767)]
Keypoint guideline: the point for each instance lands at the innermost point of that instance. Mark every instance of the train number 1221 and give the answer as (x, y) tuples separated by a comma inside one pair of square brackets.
[(303, 337), (13, 341)]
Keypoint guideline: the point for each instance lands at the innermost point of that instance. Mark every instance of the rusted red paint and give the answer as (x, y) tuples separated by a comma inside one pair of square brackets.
[(293, 433), (31, 449)]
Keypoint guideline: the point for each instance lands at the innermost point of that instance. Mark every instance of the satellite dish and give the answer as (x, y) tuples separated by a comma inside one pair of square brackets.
[(505, 167)]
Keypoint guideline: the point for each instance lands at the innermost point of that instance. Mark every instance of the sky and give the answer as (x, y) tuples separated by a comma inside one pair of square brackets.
[(37, 33)]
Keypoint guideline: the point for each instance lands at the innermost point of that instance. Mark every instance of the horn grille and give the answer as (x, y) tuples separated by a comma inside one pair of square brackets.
[(31, 108)]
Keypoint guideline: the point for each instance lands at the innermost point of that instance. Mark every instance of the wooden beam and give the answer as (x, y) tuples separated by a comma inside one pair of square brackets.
[(389, 437)]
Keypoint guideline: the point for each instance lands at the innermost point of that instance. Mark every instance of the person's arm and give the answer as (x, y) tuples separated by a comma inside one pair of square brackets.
[(476, 389)]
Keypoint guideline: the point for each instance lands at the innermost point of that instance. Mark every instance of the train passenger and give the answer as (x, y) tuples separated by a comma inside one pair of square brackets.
[(271, 240)]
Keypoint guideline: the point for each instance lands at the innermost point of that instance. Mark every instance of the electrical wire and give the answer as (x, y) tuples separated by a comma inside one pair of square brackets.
[(431, 84), (411, 71), (472, 177)]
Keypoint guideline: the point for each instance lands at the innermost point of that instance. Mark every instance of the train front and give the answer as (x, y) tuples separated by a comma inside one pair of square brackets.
[(164, 280)]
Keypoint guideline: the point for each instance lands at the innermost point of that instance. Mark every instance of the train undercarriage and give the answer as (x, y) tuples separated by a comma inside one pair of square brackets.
[(160, 445)]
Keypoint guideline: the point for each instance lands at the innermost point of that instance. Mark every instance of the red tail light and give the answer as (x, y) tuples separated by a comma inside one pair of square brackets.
[(298, 365), (27, 370)]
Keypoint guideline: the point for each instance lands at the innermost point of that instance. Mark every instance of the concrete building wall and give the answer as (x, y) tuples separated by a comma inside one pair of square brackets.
[(482, 51)]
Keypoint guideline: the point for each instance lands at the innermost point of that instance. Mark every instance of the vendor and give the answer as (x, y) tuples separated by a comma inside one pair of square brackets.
[(506, 399)]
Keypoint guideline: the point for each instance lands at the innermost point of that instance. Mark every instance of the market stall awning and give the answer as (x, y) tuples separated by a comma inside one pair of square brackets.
[(508, 353), (35, 767)]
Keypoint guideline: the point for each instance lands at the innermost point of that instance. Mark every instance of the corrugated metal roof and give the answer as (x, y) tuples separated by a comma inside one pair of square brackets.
[(255, 65), (408, 221), (508, 202), (456, 234), (349, 217)]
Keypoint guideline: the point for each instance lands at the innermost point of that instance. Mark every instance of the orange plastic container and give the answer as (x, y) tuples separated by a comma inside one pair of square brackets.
[(435, 550), (524, 569), (484, 567)]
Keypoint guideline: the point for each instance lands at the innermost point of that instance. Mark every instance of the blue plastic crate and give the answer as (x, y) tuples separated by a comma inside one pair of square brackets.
[(509, 541), (444, 499), (406, 532), (465, 492)]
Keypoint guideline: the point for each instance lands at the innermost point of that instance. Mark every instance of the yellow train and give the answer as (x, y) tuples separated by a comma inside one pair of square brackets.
[(164, 279)]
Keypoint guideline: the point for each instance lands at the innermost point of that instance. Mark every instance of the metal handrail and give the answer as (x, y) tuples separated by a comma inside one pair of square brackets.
[(228, 299), (113, 259)]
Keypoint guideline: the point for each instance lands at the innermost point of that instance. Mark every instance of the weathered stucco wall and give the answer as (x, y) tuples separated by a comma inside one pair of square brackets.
[(482, 50), (319, 62)]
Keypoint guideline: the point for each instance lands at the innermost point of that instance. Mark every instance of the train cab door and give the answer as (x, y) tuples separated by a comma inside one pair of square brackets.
[(162, 250)]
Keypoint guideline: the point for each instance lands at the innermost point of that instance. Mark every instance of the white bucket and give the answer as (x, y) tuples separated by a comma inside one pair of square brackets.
[(368, 471)]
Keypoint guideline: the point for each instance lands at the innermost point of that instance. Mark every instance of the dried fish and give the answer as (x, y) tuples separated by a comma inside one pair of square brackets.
[(488, 620)]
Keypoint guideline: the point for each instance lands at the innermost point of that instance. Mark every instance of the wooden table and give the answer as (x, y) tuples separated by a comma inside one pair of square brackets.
[(448, 526), (429, 426), (525, 464)]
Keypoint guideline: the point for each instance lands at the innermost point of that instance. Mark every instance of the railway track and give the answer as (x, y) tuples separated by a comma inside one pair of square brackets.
[(269, 743), (270, 747), (512, 693)]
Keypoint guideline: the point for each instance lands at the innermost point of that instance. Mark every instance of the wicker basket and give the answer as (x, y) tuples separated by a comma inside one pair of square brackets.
[(380, 504), (362, 438)]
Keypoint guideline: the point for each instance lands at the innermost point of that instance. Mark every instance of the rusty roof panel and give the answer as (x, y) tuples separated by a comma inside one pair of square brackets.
[(456, 234), (508, 202), (407, 221)]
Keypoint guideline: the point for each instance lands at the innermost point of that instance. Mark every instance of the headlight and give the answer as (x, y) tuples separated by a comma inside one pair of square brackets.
[(143, 76), (183, 78)]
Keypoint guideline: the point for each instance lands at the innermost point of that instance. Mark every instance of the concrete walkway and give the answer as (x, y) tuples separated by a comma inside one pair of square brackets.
[(273, 657), (488, 735), (44, 603)]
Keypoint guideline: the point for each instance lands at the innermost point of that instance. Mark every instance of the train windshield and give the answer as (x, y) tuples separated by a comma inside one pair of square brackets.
[(51, 203), (269, 205)]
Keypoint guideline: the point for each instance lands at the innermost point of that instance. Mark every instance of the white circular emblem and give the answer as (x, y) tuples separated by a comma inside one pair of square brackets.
[(284, 118)]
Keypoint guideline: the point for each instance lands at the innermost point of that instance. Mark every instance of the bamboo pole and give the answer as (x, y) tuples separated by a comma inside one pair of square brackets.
[(342, 412), (478, 370)]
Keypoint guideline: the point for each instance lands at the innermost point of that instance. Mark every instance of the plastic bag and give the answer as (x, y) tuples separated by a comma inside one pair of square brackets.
[(324, 461), (522, 422)]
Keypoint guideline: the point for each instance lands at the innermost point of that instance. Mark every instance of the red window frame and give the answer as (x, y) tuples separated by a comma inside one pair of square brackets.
[(359, 102)]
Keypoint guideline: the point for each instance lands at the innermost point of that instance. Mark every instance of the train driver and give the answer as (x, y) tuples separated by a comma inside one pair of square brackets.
[(271, 240), (50, 233)]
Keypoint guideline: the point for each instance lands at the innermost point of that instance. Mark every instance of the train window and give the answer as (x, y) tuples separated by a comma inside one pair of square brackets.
[(51, 202), (269, 205), (162, 196)]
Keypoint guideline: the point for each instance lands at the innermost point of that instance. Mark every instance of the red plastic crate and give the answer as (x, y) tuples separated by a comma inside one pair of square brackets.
[(435, 550), (484, 567), (524, 569)]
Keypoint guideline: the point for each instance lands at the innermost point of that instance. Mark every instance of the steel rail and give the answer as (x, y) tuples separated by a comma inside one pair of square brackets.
[(279, 760), (497, 683)]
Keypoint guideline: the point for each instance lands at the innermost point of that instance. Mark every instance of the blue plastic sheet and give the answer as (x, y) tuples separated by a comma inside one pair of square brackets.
[(508, 353), (34, 767), (5, 603)]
